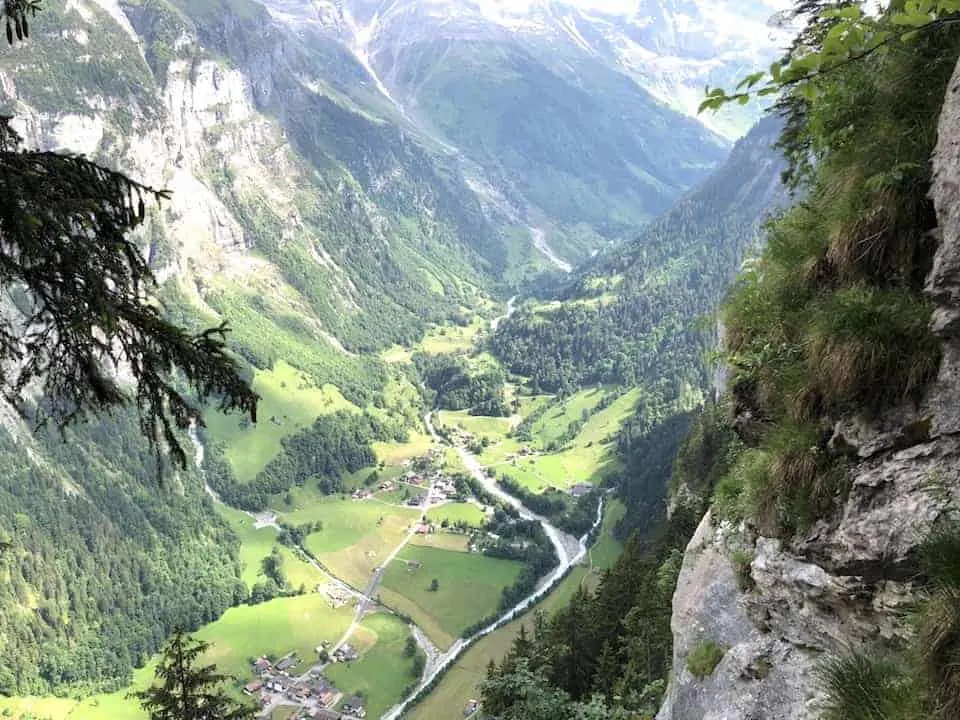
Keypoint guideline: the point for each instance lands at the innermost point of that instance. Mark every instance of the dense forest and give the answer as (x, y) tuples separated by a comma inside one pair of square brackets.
[(100, 560), (453, 385), (634, 315), (321, 453)]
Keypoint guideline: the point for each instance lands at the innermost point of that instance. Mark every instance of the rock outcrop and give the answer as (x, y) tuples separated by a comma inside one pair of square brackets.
[(778, 609)]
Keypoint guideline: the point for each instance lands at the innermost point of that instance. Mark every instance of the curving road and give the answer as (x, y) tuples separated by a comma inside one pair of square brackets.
[(570, 550)]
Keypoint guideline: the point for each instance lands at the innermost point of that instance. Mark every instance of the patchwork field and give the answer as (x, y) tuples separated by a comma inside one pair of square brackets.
[(469, 586), (357, 535), (383, 672), (462, 681)]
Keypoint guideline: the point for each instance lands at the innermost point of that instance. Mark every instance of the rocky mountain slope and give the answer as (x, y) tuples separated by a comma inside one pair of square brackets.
[(777, 608), (671, 48)]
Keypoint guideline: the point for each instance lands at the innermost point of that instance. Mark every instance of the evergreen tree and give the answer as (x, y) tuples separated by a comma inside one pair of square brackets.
[(82, 291), (187, 690)]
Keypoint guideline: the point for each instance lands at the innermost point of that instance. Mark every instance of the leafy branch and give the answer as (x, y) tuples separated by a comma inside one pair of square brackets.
[(852, 36)]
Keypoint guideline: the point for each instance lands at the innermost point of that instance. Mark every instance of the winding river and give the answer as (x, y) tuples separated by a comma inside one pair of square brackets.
[(569, 551)]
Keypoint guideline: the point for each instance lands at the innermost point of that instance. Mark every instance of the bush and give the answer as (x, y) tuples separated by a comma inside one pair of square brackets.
[(860, 687), (704, 658)]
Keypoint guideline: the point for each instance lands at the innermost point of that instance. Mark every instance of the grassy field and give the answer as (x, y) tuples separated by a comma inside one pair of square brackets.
[(255, 545), (396, 453), (443, 540), (479, 425), (586, 459), (288, 402), (454, 512), (383, 672), (357, 535), (462, 682), (606, 550), (273, 628), (452, 338), (469, 586)]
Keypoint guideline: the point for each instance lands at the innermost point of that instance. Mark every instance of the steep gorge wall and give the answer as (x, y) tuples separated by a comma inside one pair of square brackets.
[(842, 583)]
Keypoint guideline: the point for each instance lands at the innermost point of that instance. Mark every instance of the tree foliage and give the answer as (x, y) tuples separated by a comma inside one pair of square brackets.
[(188, 690), (838, 33), (81, 311)]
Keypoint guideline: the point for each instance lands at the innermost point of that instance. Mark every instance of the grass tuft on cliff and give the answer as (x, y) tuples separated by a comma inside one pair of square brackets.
[(831, 318)]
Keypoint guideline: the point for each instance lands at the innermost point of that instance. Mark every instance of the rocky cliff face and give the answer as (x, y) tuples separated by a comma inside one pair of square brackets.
[(776, 609)]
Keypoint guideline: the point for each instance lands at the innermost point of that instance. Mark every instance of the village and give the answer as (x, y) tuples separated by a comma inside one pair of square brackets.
[(312, 693)]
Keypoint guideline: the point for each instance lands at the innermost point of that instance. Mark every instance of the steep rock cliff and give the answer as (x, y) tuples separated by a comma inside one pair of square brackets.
[(777, 609)]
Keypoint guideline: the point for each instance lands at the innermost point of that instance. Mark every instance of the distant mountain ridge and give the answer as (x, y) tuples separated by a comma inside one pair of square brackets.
[(671, 48)]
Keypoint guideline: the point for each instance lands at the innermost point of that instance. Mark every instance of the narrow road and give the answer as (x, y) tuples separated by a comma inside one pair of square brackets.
[(570, 550)]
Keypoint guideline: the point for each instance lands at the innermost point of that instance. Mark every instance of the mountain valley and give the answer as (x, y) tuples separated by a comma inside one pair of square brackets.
[(357, 188)]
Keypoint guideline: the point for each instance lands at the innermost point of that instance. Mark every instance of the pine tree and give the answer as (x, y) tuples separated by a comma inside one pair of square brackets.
[(83, 295), (188, 691)]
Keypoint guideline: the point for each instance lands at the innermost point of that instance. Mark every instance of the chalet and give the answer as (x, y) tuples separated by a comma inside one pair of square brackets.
[(470, 708), (345, 653), (414, 501), (581, 489), (414, 564), (386, 485), (261, 665), (325, 693), (275, 685), (354, 706), (423, 529), (287, 662), (252, 687)]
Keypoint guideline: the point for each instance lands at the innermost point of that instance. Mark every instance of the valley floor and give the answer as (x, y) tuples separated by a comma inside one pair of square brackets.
[(396, 558)]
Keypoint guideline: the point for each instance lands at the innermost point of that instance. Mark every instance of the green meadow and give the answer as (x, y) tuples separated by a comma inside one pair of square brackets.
[(469, 588), (383, 672), (289, 400), (462, 682), (456, 512)]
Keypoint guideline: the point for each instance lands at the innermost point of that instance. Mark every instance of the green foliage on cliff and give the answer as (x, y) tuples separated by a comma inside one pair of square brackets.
[(922, 679), (830, 318)]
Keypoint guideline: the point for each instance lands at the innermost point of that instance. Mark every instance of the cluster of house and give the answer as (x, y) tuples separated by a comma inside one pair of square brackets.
[(313, 694)]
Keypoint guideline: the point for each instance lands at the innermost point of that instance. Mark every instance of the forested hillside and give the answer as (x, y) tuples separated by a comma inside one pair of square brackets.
[(638, 315), (99, 560)]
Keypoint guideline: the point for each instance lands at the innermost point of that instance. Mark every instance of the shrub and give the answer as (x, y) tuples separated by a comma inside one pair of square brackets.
[(860, 687), (741, 561), (704, 658)]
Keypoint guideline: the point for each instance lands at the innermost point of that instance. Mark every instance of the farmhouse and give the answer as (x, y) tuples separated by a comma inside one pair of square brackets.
[(287, 662), (423, 529), (414, 564), (354, 706), (251, 687), (261, 665), (581, 489), (325, 714), (345, 653)]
